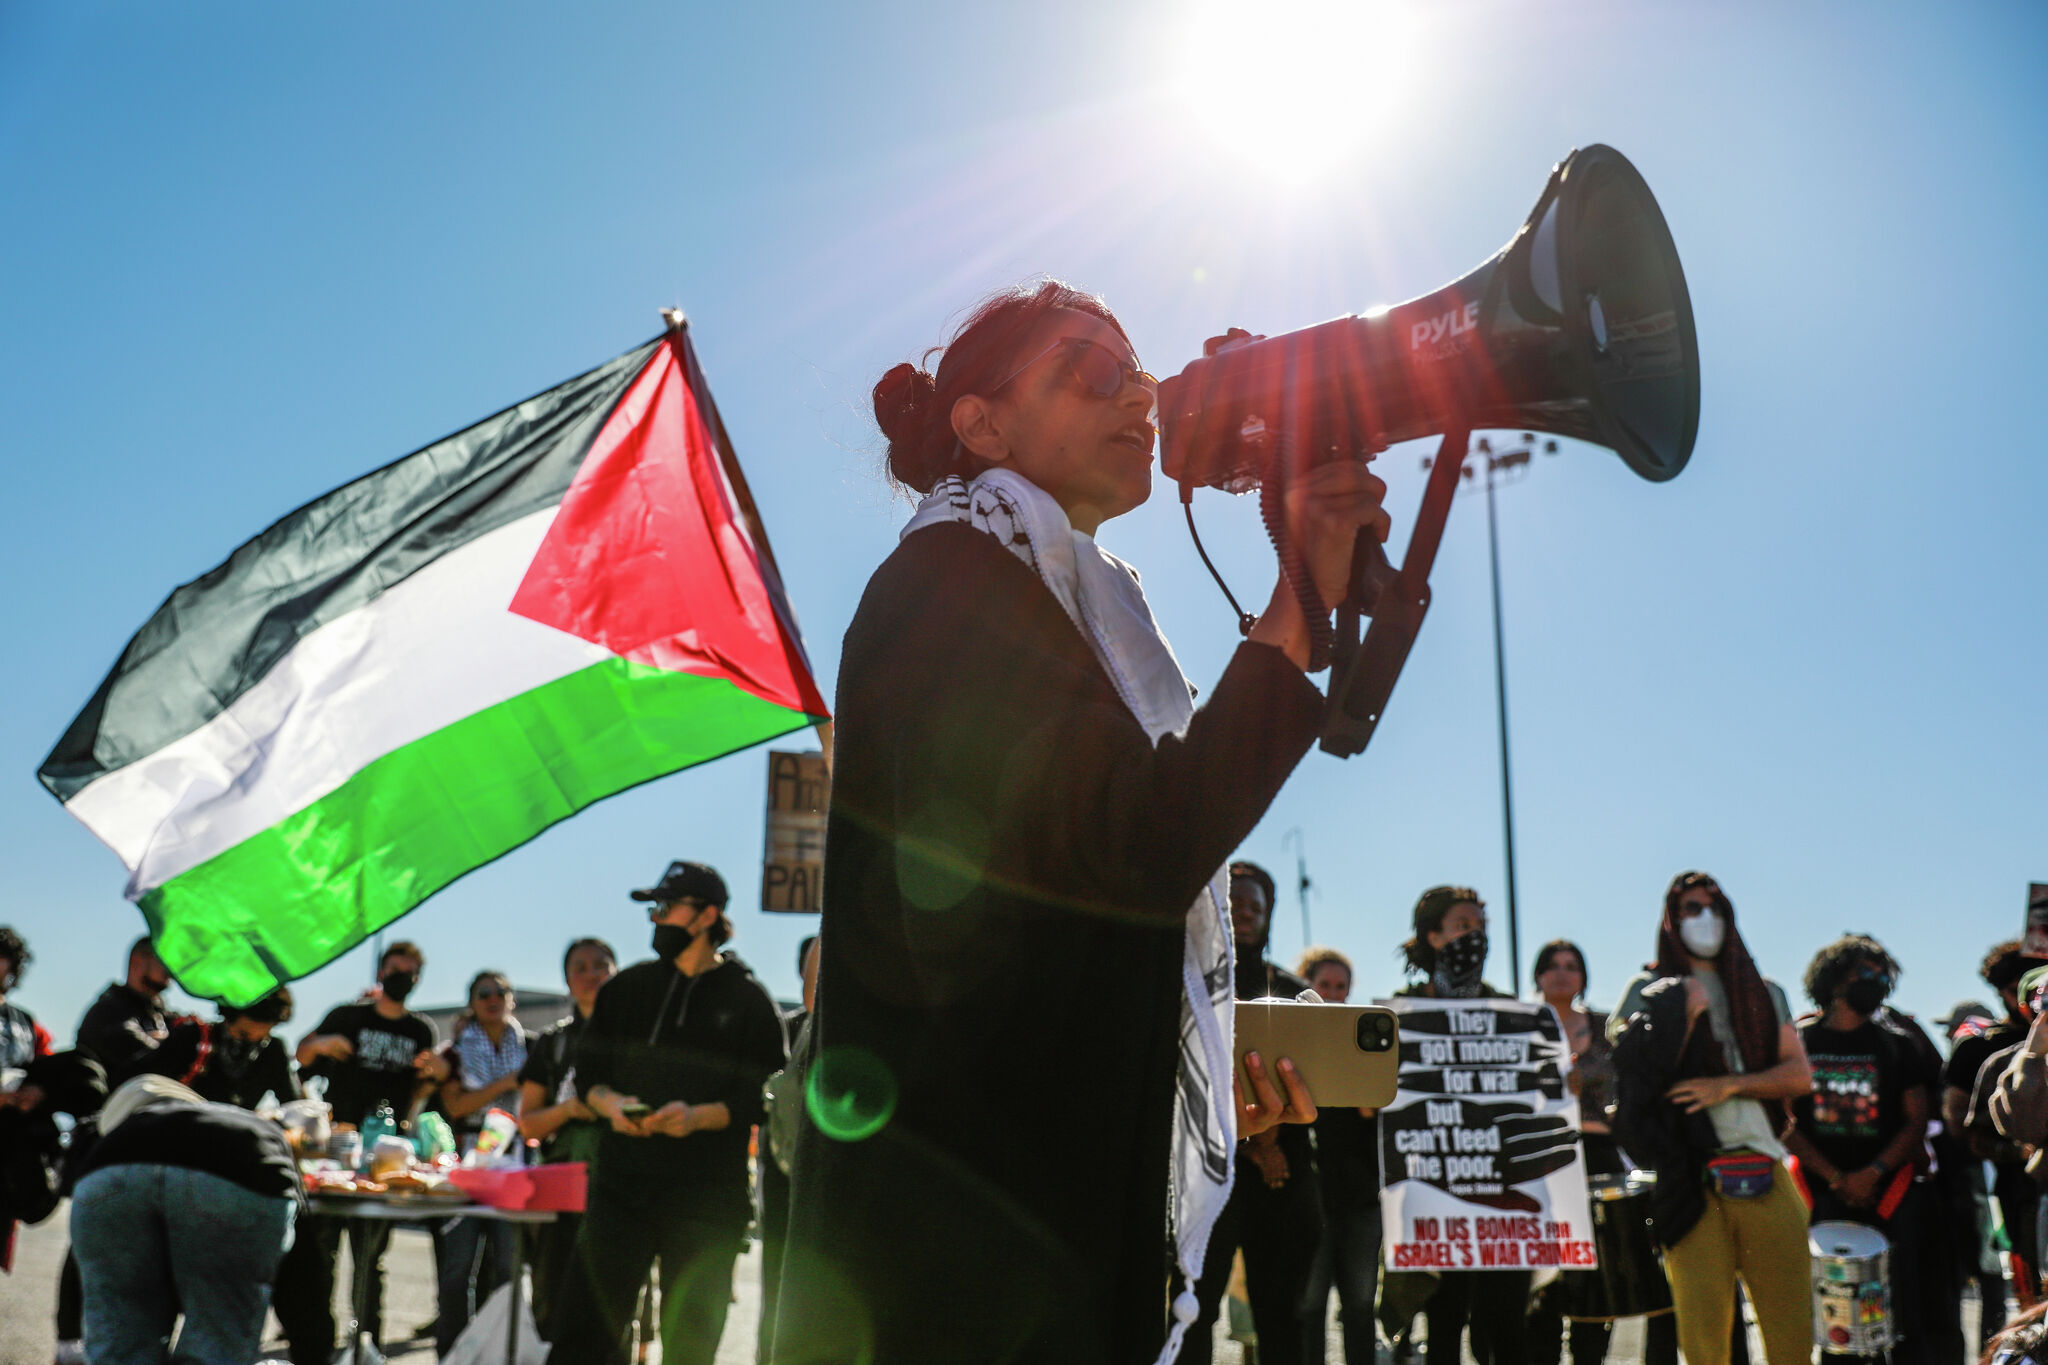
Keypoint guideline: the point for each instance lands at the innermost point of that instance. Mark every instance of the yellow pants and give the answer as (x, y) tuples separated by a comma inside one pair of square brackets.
[(1764, 1241)]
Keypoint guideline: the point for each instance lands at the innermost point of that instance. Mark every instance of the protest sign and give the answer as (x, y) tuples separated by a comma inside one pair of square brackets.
[(793, 874), (1480, 1149)]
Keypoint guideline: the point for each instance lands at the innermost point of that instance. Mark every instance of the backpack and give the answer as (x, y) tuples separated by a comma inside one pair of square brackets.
[(31, 1165)]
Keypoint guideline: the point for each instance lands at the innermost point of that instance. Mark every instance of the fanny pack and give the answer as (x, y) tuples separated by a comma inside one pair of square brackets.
[(1740, 1175)]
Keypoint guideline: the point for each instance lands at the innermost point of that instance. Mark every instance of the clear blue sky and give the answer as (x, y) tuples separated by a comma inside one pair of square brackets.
[(253, 251)]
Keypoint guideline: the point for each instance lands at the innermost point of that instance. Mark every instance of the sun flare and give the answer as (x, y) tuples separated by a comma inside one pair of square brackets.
[(1296, 86)]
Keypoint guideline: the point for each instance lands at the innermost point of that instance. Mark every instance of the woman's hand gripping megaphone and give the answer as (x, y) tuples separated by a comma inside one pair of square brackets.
[(1327, 523)]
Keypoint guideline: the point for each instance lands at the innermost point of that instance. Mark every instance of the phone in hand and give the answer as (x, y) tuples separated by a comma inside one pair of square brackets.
[(1348, 1055), (635, 1109)]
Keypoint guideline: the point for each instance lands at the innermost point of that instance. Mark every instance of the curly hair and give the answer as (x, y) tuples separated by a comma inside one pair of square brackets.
[(1429, 918), (15, 949), (2003, 966), (1322, 957), (1833, 965)]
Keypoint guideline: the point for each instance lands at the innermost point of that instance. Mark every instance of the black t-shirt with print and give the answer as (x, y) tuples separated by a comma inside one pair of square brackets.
[(380, 1069), (1966, 1058), (1860, 1077)]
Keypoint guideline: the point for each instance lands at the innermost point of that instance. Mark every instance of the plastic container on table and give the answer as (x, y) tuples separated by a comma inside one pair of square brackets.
[(381, 1124)]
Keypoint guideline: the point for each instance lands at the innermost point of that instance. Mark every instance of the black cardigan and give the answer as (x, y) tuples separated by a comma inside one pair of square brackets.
[(1650, 1057), (1009, 865)]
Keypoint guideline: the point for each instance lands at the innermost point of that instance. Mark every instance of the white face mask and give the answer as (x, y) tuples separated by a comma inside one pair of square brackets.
[(1703, 934)]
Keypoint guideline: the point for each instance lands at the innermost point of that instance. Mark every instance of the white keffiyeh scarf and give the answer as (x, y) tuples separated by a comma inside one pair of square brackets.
[(1100, 594)]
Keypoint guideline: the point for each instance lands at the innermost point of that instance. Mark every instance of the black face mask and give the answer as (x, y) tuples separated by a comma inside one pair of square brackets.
[(1459, 963), (672, 940), (398, 985), (1864, 994)]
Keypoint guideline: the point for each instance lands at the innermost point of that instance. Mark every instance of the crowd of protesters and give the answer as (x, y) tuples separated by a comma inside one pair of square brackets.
[(1757, 1119), (187, 1203)]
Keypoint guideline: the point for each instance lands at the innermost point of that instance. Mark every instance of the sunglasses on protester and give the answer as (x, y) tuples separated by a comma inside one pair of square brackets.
[(490, 993), (660, 908), (1099, 370)]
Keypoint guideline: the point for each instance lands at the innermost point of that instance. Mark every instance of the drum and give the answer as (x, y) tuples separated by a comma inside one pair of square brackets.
[(1852, 1302), (1630, 1282)]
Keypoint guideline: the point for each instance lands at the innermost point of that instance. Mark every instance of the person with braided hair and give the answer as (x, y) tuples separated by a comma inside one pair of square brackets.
[(1021, 1037)]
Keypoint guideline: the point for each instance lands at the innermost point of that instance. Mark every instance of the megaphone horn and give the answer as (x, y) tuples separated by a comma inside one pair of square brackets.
[(1581, 326)]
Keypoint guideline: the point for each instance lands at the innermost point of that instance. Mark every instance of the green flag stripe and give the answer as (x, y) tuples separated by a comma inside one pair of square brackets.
[(217, 636), (291, 899)]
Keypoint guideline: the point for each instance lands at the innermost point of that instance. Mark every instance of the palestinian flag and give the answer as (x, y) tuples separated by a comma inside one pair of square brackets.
[(420, 671)]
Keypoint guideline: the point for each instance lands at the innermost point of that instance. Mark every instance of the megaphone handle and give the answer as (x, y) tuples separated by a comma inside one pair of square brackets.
[(1365, 677), (1272, 508)]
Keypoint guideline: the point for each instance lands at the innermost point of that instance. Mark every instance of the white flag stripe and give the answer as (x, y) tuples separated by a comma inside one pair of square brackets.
[(437, 647)]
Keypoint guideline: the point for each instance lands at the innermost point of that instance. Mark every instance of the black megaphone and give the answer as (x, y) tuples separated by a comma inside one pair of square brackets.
[(1581, 326)]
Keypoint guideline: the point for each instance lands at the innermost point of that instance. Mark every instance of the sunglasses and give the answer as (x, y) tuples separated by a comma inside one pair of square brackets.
[(660, 908), (490, 993), (1095, 367)]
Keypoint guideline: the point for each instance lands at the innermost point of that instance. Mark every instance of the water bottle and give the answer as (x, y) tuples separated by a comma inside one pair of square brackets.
[(382, 1123)]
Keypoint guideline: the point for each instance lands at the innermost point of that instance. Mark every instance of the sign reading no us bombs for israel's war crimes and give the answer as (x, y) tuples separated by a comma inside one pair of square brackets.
[(1480, 1148)]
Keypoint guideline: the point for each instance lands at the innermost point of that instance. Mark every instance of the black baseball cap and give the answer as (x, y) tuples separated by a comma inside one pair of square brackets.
[(686, 881), (1965, 1009)]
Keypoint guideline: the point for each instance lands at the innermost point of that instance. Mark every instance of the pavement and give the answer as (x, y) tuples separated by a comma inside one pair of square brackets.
[(28, 1300)]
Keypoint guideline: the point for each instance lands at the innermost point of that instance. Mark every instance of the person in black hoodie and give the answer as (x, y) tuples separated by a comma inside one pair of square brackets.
[(1275, 1211), (126, 1030), (673, 1058)]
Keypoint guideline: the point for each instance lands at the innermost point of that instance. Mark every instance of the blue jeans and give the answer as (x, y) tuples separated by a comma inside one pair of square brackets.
[(1347, 1259), (472, 1257), (155, 1241)]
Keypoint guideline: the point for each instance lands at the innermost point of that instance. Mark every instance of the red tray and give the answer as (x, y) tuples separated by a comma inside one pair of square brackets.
[(562, 1187)]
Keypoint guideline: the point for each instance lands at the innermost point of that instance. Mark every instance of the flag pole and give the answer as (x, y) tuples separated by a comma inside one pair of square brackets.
[(678, 324)]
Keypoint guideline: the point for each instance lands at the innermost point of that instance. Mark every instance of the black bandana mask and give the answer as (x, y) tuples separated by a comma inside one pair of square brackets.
[(1459, 963)]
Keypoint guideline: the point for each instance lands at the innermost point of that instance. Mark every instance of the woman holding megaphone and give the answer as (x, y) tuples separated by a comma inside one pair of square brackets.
[(1021, 1037)]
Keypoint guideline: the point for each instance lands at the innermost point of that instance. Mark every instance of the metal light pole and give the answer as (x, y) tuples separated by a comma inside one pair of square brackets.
[(1500, 693), (1301, 883), (1484, 460)]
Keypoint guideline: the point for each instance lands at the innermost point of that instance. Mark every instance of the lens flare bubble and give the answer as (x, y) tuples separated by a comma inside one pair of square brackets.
[(850, 1093)]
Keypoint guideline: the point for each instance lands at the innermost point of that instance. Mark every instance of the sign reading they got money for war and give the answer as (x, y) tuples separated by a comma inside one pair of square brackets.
[(1479, 1150)]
